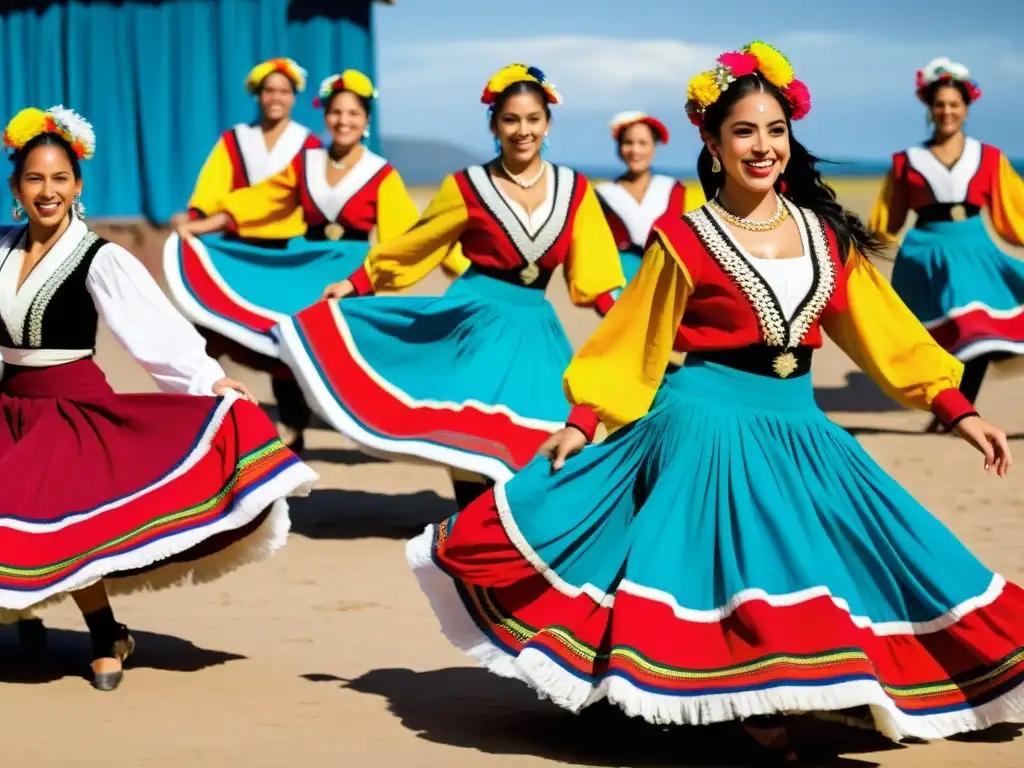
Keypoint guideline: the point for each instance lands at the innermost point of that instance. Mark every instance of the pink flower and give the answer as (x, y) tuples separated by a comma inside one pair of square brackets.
[(739, 64), (799, 99)]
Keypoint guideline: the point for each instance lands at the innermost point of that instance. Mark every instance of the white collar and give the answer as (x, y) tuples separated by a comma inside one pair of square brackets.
[(331, 200), (948, 185), (261, 162), (638, 216)]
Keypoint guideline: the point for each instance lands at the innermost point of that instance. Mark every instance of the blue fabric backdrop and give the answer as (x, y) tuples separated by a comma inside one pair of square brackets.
[(161, 79)]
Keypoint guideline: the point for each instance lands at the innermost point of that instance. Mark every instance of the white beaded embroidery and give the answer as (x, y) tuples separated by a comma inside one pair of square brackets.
[(42, 299)]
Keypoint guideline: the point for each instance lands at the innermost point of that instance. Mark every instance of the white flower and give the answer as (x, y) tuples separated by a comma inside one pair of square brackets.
[(77, 127), (327, 84), (935, 68)]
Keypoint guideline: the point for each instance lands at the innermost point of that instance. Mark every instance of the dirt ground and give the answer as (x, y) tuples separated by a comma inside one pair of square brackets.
[(328, 655)]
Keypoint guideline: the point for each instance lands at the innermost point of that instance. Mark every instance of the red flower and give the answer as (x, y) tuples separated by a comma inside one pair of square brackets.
[(739, 64), (799, 99)]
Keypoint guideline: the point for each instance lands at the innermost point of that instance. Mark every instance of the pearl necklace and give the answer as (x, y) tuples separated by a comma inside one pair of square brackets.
[(524, 183), (764, 225)]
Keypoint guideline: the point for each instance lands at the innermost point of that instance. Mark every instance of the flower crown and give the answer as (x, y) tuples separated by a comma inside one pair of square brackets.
[(66, 123), (350, 80), (286, 67), (945, 70), (706, 88), (518, 73), (624, 120)]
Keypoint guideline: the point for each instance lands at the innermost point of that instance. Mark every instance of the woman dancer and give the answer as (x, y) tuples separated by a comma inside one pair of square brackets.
[(340, 193), (107, 493), (469, 379), (635, 200), (955, 279), (728, 552)]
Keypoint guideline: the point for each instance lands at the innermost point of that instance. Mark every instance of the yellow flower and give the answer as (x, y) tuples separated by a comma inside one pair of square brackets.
[(506, 76), (358, 83), (772, 64), (703, 90), (24, 127)]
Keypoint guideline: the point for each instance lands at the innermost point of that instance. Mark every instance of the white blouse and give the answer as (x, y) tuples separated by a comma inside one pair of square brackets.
[(128, 300)]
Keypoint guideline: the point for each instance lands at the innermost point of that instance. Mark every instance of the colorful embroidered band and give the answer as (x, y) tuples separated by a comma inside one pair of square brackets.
[(350, 80), (286, 67), (64, 122), (945, 70), (624, 120), (518, 73)]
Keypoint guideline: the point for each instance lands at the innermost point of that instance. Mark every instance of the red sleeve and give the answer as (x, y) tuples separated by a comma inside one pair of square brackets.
[(583, 418), (196, 213), (951, 407), (361, 281), (312, 142), (604, 303)]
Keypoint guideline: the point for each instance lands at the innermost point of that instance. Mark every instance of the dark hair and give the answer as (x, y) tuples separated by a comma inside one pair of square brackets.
[(803, 182), (363, 101), (45, 140), (523, 86), (931, 92), (259, 89), (654, 134)]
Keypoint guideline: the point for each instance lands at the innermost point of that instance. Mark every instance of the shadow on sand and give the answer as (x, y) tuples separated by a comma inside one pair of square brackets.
[(333, 513)]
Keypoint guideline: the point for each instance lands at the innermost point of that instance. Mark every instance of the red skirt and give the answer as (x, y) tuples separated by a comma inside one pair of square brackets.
[(144, 491)]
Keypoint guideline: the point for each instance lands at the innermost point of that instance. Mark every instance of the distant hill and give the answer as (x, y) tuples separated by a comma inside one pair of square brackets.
[(423, 161)]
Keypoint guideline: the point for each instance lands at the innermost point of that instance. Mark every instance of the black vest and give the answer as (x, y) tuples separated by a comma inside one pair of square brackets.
[(62, 314)]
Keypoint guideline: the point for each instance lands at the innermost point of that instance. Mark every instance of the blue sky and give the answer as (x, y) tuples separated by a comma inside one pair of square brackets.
[(859, 60)]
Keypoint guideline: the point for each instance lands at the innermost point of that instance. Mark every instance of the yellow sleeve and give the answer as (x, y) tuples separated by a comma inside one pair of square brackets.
[(889, 212), (1008, 203), (274, 199), (618, 370), (408, 258), (396, 211), (455, 263), (693, 197), (214, 181), (887, 342), (594, 267)]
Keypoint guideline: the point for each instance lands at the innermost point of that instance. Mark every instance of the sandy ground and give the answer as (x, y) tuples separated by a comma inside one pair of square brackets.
[(327, 654)]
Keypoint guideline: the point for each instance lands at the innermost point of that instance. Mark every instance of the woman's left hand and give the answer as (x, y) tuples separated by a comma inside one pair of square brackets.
[(989, 440), (227, 385)]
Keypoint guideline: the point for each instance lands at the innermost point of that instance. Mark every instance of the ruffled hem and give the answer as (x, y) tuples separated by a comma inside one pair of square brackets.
[(974, 330), (553, 681), (489, 440)]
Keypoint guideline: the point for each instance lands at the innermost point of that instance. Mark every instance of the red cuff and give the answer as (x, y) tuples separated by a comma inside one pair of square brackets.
[(232, 224), (950, 406), (360, 280), (603, 303), (195, 213), (583, 418)]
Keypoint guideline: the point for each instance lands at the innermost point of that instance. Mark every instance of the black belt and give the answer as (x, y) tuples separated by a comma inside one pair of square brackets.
[(947, 212), (528, 276), (333, 231), (760, 359), (275, 243), (636, 250)]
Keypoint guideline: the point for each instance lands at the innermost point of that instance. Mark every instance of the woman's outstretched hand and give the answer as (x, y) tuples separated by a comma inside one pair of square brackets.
[(339, 290), (566, 442), (989, 440)]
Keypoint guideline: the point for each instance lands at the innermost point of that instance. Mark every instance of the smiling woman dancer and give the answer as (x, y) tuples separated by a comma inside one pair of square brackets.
[(108, 493), (635, 200), (341, 194), (965, 290), (470, 379), (728, 552)]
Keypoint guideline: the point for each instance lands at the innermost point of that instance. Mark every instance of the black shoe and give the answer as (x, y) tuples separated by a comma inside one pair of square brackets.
[(32, 636), (119, 645)]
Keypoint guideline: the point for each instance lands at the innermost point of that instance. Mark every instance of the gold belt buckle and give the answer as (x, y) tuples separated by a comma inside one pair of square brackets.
[(958, 213), (334, 231), (529, 274), (785, 364)]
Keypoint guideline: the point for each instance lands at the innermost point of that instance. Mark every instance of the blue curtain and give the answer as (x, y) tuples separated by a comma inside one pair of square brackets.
[(161, 79)]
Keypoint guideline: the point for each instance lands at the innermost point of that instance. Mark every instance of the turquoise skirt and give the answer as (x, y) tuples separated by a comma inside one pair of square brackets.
[(471, 380), (631, 262), (963, 288), (240, 291), (732, 553)]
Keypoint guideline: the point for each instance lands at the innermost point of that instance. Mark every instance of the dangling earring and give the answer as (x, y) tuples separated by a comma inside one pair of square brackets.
[(366, 131), (17, 210), (497, 145), (716, 166), (544, 146), (77, 208)]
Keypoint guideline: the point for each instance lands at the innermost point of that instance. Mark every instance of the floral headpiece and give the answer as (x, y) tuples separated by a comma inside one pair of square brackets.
[(624, 120), (706, 88), (286, 67), (349, 80), (518, 73), (945, 70), (64, 122)]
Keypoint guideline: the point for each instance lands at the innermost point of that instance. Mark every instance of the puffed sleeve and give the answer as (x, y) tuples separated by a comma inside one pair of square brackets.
[(273, 199), (693, 198), (213, 183), (882, 336), (889, 212), (396, 211), (146, 324), (615, 375), (594, 268), (1008, 202), (408, 258)]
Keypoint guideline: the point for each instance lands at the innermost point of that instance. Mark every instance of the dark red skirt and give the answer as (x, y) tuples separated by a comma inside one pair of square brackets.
[(144, 490)]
